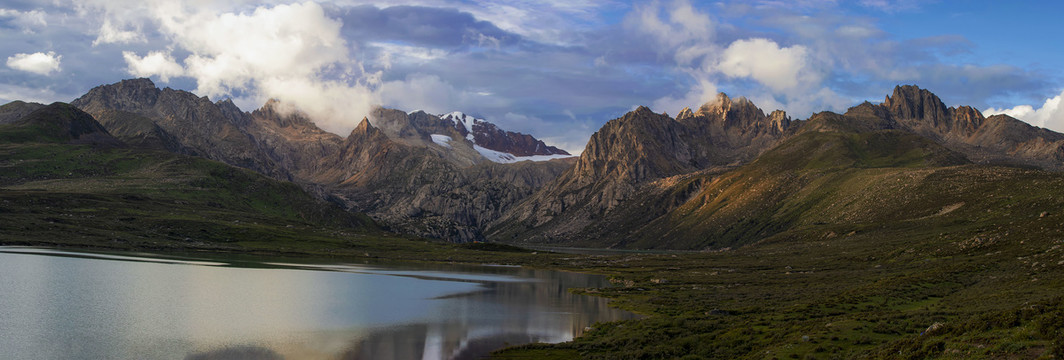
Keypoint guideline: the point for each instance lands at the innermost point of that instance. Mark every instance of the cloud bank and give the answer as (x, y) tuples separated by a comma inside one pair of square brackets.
[(1049, 116), (556, 69)]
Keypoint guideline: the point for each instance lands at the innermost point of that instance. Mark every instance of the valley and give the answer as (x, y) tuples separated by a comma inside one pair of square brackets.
[(901, 229)]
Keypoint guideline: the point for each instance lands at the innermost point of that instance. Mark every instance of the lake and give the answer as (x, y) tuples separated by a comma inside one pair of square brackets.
[(59, 304)]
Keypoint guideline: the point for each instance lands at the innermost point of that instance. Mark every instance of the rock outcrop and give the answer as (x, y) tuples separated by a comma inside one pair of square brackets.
[(999, 139), (640, 147), (387, 167), (16, 110), (179, 121), (489, 136), (60, 122)]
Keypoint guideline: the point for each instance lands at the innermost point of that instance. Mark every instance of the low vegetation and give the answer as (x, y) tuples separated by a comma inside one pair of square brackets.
[(900, 258)]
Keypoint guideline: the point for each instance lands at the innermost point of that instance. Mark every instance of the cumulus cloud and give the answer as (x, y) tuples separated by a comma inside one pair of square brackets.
[(293, 53), (787, 73), (1049, 116), (700, 93), (37, 63), (763, 60), (156, 63)]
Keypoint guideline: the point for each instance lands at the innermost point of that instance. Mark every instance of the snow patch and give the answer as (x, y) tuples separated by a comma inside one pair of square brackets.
[(461, 118), (508, 158), (442, 140)]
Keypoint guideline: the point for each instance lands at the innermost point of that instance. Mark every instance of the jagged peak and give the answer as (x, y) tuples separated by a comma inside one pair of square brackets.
[(723, 103), (364, 127), (227, 105), (463, 119), (912, 102), (685, 113), (138, 82), (271, 103)]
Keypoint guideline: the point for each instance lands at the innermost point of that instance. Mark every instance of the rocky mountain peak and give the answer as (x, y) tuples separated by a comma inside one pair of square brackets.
[(232, 112), (912, 102), (276, 111), (779, 121), (363, 128), (642, 110), (64, 122), (15, 110), (489, 136), (125, 95), (730, 113), (685, 113)]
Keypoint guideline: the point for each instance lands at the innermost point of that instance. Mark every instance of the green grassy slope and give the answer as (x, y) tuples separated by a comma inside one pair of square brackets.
[(847, 282), (816, 179), (54, 190), (855, 245)]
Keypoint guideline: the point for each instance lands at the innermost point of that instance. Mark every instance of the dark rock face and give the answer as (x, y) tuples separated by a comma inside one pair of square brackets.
[(640, 147), (387, 167), (16, 110), (390, 166), (998, 139), (416, 190), (489, 136), (65, 123), (198, 125)]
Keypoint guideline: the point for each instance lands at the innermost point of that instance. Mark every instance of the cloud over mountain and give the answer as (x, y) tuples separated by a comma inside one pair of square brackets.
[(562, 66), (1049, 116)]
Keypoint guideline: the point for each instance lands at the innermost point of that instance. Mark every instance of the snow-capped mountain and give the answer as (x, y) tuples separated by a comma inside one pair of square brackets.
[(496, 144)]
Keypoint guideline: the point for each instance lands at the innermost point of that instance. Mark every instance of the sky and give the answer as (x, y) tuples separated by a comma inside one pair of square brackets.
[(557, 69)]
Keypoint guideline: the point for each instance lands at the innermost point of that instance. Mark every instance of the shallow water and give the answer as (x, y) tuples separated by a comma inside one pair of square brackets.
[(57, 304)]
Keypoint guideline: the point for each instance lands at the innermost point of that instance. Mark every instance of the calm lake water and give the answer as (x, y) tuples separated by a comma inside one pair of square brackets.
[(56, 304)]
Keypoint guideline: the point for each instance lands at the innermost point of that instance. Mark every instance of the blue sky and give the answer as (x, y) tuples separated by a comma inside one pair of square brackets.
[(557, 69)]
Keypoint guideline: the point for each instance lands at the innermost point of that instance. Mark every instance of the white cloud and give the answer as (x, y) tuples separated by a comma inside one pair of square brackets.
[(406, 53), (429, 93), (109, 33), (27, 20), (702, 92), (1049, 116), (156, 63), (37, 63), (781, 69), (294, 53), (554, 21), (689, 36)]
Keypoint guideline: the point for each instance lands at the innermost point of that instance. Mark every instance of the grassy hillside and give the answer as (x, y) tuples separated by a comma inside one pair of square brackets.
[(987, 287), (814, 180), (56, 188), (837, 245)]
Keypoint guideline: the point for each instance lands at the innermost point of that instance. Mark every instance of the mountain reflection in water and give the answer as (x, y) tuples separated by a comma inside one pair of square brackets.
[(61, 304)]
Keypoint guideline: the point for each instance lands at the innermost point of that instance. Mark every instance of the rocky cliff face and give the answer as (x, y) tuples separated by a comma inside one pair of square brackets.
[(389, 166), (421, 190), (179, 121), (489, 136), (65, 123), (998, 139), (646, 180), (16, 110), (640, 147), (289, 139)]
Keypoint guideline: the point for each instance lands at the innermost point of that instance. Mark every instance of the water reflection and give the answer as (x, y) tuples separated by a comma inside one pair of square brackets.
[(59, 306)]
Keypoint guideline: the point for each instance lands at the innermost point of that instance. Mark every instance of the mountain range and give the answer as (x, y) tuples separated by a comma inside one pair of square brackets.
[(725, 174)]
